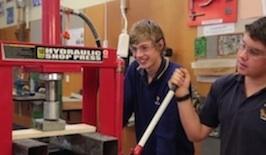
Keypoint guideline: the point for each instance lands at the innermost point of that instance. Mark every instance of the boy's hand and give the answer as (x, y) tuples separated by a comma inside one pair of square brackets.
[(181, 79)]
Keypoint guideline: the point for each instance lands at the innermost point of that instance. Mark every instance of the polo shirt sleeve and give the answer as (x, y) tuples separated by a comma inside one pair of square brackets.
[(209, 113)]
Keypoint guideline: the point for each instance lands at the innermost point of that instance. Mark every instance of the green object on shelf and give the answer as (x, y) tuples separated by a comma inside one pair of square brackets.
[(200, 47), (37, 109)]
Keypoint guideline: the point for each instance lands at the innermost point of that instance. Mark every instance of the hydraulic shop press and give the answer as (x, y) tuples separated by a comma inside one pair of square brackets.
[(102, 78)]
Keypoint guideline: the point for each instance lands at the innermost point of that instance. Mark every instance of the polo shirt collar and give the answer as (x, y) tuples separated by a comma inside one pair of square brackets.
[(163, 67), (240, 78)]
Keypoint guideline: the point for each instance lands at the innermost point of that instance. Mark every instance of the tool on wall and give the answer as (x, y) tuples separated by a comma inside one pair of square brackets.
[(204, 4), (65, 33), (193, 14), (203, 12)]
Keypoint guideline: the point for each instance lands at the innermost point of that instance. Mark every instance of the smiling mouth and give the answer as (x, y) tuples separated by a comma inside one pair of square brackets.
[(241, 65), (142, 62)]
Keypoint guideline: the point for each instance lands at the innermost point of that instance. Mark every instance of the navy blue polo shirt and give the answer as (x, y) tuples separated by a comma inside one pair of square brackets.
[(242, 119), (144, 99)]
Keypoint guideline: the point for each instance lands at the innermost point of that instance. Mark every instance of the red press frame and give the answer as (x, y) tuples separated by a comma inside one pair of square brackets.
[(102, 83), (104, 79)]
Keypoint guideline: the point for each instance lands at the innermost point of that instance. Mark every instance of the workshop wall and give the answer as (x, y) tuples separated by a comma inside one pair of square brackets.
[(171, 15), (9, 34)]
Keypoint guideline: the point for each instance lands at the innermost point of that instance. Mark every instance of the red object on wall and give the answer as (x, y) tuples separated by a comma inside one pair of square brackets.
[(202, 12)]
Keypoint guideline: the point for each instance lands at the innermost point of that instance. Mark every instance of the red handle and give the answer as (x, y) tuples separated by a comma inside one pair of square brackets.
[(137, 150)]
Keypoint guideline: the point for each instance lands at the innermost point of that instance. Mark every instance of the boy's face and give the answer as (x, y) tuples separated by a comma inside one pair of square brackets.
[(251, 57), (146, 54)]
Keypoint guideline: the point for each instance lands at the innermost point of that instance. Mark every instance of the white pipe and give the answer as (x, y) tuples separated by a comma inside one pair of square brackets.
[(123, 13), (156, 118)]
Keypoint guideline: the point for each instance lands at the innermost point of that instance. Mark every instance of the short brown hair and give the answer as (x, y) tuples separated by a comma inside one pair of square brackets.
[(257, 30), (145, 30)]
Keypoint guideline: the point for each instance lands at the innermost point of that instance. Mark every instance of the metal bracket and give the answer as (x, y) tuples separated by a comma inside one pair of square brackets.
[(87, 144), (29, 147)]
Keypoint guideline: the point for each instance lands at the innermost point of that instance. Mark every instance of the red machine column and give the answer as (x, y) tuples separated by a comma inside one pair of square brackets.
[(51, 22), (6, 110), (90, 91), (119, 101)]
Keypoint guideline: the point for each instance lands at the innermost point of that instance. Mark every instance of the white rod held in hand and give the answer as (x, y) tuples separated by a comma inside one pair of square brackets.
[(156, 117)]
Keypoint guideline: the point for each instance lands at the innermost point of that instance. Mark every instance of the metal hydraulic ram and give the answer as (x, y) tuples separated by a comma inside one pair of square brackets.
[(139, 147)]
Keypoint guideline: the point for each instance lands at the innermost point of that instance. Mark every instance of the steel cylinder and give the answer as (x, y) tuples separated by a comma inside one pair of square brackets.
[(51, 110), (51, 105), (51, 91)]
